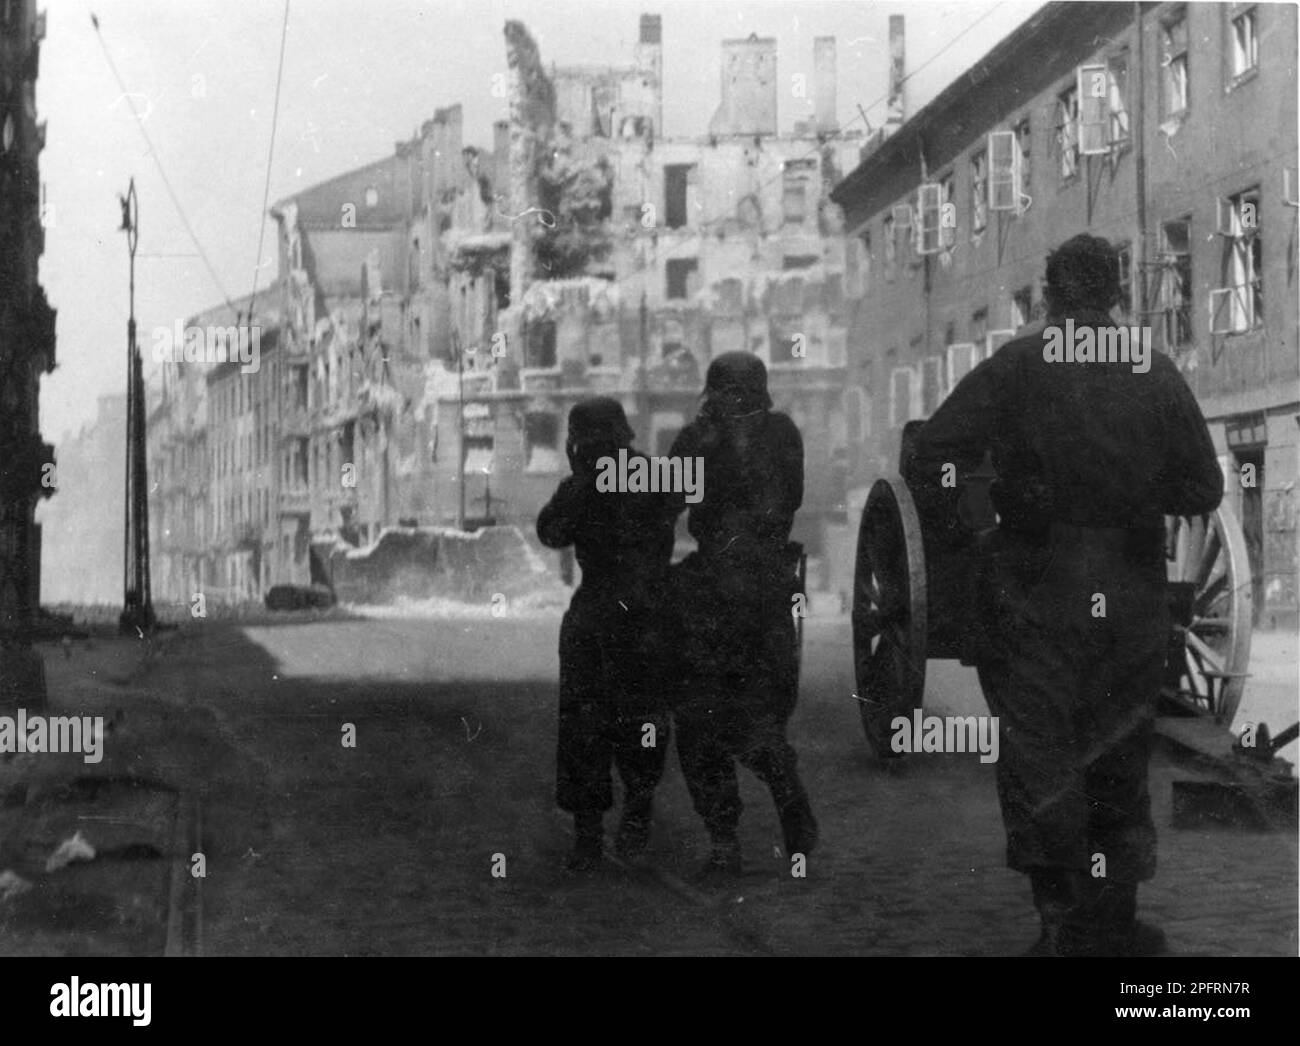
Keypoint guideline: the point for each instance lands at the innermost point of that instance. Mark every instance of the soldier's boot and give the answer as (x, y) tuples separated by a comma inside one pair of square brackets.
[(634, 826), (1112, 908), (1058, 896), (798, 825), (588, 843), (723, 864)]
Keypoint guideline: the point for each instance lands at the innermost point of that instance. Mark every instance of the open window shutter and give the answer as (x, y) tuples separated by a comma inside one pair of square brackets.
[(1225, 224), (930, 210), (1004, 171), (1167, 284), (948, 233), (1117, 77), (1067, 134), (1224, 308), (903, 223), (1094, 110)]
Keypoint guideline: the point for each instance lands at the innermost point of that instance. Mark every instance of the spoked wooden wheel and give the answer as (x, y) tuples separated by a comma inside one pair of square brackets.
[(1213, 616), (889, 612)]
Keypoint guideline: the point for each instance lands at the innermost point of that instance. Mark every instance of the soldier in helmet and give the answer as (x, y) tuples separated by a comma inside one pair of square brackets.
[(1090, 456), (611, 707), (739, 677)]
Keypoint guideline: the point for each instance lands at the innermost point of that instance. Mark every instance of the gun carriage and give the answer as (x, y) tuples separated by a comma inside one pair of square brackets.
[(916, 598)]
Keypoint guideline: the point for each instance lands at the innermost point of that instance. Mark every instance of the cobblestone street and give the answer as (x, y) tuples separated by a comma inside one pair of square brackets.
[(314, 848)]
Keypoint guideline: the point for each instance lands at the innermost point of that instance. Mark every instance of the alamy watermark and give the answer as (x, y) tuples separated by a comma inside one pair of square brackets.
[(93, 999), (23, 733), (954, 733), (639, 475), (234, 344), (1091, 344)]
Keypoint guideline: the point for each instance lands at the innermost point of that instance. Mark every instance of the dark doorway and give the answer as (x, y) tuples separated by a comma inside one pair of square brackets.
[(540, 345), (678, 272), (676, 179)]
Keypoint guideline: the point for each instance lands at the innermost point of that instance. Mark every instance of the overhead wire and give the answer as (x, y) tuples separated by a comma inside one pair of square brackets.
[(153, 152), (270, 153)]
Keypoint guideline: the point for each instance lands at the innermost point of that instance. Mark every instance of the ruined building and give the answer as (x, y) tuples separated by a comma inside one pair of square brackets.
[(635, 258), (328, 438), (441, 309), (386, 268)]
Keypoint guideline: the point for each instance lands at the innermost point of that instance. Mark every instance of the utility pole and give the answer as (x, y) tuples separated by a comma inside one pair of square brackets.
[(137, 603)]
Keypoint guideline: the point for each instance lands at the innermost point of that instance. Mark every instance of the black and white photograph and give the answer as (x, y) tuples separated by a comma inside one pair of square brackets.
[(648, 478)]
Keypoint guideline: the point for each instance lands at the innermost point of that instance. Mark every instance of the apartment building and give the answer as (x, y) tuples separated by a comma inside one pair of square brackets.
[(1168, 129), (26, 345)]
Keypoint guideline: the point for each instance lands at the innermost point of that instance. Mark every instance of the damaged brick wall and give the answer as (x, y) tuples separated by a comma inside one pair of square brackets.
[(532, 122), (426, 563)]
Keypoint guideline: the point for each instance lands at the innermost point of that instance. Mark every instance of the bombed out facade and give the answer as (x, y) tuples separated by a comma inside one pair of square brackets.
[(440, 311), (680, 249)]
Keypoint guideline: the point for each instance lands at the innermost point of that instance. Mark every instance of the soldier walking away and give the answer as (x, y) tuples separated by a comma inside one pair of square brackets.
[(611, 706), (1090, 456), (739, 678)]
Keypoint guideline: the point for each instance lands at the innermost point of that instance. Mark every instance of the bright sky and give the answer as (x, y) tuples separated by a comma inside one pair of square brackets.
[(358, 76)]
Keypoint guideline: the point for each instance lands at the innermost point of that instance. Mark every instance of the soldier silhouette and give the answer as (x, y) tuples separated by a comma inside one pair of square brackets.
[(739, 677), (611, 707), (1090, 456)]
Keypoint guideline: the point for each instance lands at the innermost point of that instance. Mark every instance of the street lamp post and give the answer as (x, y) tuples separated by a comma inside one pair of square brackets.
[(137, 604)]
